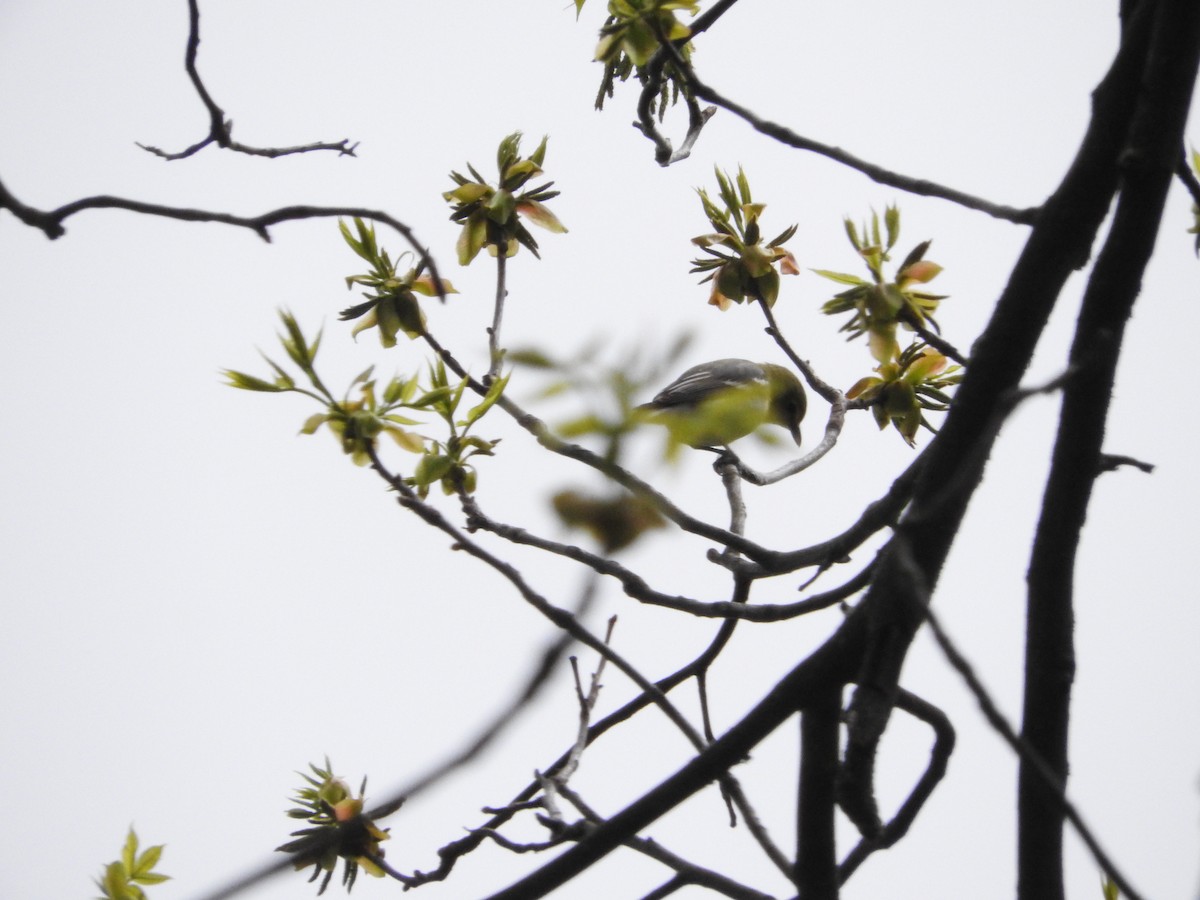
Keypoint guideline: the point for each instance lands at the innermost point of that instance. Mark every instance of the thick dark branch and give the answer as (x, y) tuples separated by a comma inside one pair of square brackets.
[(816, 847), (221, 129), (909, 568), (686, 872), (454, 851), (1148, 166), (569, 624), (939, 756), (831, 664), (889, 633)]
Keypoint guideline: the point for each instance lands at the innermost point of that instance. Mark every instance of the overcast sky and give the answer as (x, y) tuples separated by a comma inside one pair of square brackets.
[(197, 602)]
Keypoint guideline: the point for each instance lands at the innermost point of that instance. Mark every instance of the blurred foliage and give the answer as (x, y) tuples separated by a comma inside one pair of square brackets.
[(609, 393), (609, 390), (615, 519), (489, 214), (339, 829), (123, 879), (740, 264)]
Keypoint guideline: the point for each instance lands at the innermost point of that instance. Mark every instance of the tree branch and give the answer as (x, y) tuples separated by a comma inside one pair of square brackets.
[(1148, 166), (782, 134), (995, 718), (816, 847), (220, 131), (939, 755)]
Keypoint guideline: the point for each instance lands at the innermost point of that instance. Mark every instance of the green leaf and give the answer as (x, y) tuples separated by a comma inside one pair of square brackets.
[(891, 217), (115, 885), (431, 468), (768, 286), (840, 277), (851, 232), (129, 851), (586, 424), (471, 240), (407, 440), (468, 193), (539, 155), (313, 422), (250, 383), (494, 391), (437, 395), (146, 862)]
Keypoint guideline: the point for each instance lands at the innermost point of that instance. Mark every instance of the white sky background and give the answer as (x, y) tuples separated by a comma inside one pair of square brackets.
[(197, 602)]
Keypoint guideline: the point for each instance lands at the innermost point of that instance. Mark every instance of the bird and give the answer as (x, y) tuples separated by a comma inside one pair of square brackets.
[(715, 403)]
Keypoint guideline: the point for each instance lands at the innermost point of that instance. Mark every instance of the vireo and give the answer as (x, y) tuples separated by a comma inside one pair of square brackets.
[(717, 402)]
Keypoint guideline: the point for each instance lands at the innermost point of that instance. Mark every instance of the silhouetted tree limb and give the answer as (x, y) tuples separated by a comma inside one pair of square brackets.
[(694, 87), (939, 757), (220, 129), (816, 847), (1147, 165)]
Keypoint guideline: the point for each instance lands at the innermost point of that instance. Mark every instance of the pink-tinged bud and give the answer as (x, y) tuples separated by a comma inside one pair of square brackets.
[(921, 272)]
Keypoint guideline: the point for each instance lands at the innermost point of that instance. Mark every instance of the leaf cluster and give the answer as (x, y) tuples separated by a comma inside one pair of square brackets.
[(368, 411), (339, 830), (878, 304), (490, 215), (637, 28), (123, 879), (445, 462), (740, 265), (903, 389), (631, 35), (391, 304)]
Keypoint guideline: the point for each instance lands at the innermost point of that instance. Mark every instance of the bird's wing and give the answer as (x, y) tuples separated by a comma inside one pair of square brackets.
[(705, 380)]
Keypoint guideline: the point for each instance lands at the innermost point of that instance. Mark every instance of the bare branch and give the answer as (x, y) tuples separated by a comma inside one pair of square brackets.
[(636, 587), (686, 872), (786, 136), (1028, 755), (1148, 165), (939, 756), (221, 129)]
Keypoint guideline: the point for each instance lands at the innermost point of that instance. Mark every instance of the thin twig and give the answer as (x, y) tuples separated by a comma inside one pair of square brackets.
[(221, 129), (690, 873), (995, 718), (636, 587), (496, 354), (786, 136)]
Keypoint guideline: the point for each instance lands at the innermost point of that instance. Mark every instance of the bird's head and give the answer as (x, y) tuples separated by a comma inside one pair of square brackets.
[(788, 402)]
